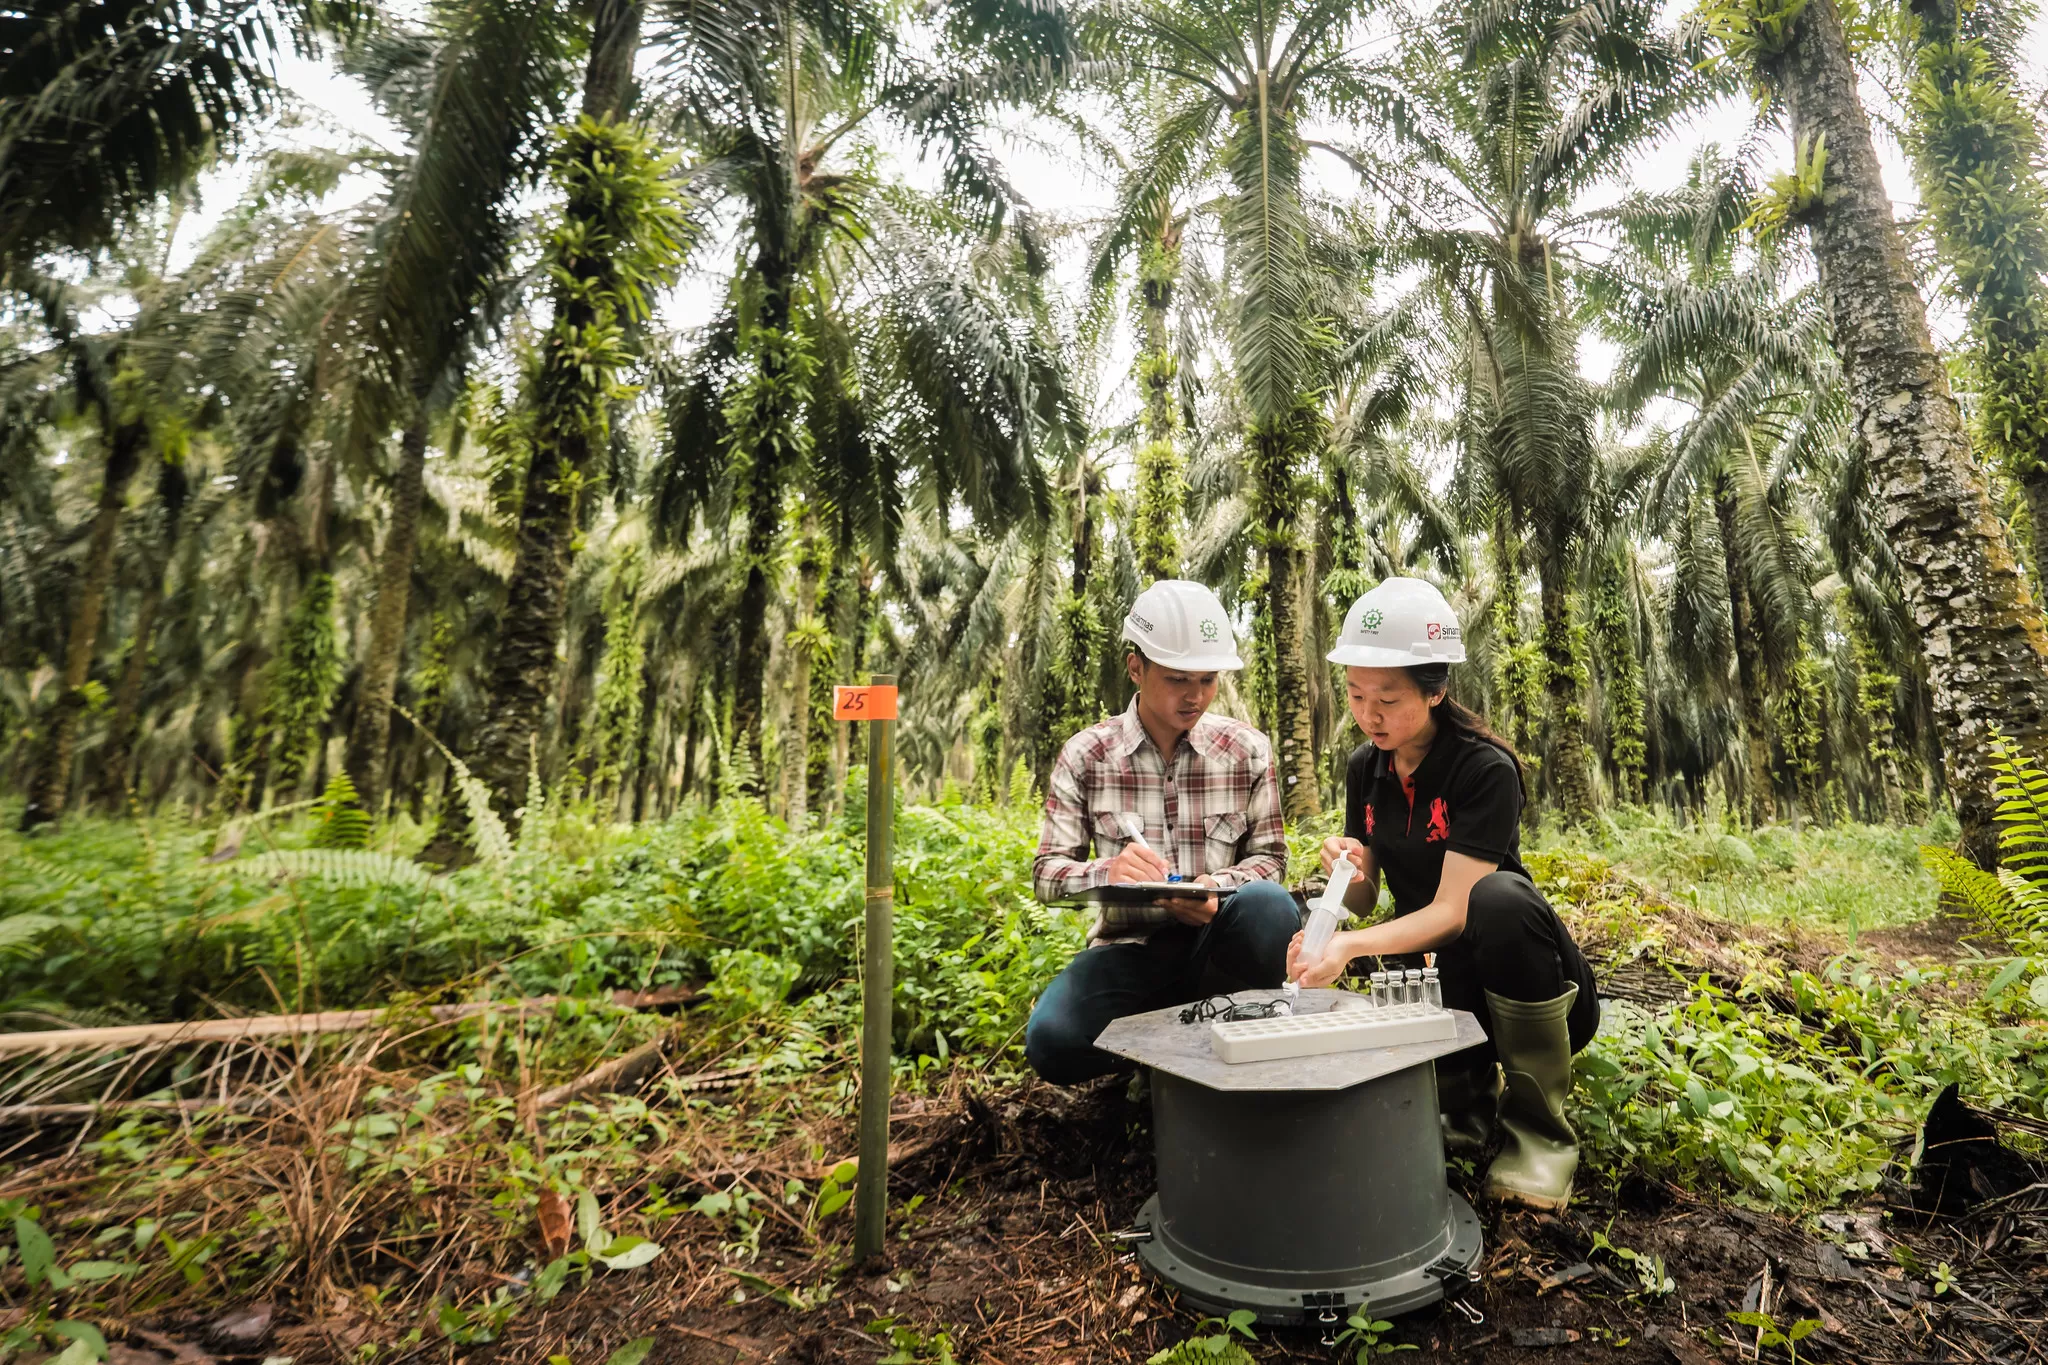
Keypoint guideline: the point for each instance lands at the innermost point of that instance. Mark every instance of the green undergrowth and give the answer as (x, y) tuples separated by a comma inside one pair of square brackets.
[(111, 922), (1846, 878), (1792, 1090)]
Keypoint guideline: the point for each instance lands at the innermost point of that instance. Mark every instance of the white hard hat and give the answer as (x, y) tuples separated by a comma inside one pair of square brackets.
[(1182, 625), (1401, 622)]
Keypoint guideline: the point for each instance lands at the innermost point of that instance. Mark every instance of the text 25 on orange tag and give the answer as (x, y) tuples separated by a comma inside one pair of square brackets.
[(863, 703)]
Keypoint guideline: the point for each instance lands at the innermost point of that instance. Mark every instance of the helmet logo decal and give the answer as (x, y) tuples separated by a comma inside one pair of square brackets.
[(1208, 630), (1436, 630), (1372, 620), (1141, 623)]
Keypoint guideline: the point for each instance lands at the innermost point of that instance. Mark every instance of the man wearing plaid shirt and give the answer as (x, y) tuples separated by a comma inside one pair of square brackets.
[(1163, 792)]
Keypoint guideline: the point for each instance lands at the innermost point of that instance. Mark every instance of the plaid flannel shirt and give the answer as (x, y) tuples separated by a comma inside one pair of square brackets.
[(1214, 810)]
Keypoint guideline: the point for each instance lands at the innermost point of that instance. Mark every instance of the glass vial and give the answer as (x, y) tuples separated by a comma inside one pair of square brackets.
[(1432, 989), (1379, 988), (1411, 993)]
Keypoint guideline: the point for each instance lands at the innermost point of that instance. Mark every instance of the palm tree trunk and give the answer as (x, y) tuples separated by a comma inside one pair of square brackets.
[(1294, 746), (50, 782), (1567, 702), (369, 744), (1749, 667), (1976, 150), (750, 678), (522, 669), (1160, 485), (1980, 629), (120, 751), (644, 766), (770, 439), (1516, 689), (796, 749), (841, 610)]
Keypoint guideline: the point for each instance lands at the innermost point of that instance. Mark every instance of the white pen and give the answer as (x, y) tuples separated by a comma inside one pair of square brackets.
[(1135, 829)]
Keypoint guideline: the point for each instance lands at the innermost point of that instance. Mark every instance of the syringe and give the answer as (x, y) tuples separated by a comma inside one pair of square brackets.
[(1324, 915)]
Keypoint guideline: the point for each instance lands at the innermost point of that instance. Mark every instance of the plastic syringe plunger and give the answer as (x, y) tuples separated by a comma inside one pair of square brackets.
[(1326, 912)]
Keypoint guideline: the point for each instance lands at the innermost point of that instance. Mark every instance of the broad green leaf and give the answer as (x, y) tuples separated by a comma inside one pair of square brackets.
[(2011, 972), (83, 1336), (90, 1271), (632, 1353), (38, 1253), (628, 1253)]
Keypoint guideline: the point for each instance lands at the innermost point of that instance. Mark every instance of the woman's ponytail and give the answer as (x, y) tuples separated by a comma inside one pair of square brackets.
[(1435, 681)]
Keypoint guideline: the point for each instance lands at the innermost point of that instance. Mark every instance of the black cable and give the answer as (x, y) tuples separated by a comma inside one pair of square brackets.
[(1233, 1008)]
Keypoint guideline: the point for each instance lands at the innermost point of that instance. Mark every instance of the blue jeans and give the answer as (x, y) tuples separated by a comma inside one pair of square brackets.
[(1244, 946)]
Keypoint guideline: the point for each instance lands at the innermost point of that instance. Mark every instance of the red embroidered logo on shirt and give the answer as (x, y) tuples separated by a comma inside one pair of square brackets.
[(1439, 822), (1368, 822)]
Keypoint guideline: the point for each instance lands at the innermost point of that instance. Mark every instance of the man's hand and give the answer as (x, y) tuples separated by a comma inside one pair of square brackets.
[(1333, 849), (1137, 864), (1335, 958), (1195, 908)]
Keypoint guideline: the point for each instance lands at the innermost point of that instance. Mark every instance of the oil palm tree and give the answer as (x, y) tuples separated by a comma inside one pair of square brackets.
[(1980, 628), (1236, 81), (107, 106), (1490, 135), (476, 89), (621, 236), (1750, 365), (1976, 150), (786, 110)]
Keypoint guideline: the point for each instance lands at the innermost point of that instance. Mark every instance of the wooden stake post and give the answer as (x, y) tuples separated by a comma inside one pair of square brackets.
[(875, 705)]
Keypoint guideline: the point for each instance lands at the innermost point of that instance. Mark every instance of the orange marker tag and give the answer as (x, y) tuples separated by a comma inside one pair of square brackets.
[(863, 703)]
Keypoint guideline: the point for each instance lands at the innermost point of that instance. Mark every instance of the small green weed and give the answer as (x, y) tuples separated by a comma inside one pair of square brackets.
[(1769, 1333), (908, 1346), (1654, 1280), (1366, 1336)]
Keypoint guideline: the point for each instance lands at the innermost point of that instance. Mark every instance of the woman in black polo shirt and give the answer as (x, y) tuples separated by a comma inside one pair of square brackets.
[(1433, 802)]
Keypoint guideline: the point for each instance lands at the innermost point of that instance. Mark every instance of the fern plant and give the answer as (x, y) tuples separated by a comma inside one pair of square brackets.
[(1216, 1347), (487, 833), (357, 868), (2013, 901), (342, 821)]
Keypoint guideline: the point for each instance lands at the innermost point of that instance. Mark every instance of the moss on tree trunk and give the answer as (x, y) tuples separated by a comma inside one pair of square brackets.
[(1979, 627)]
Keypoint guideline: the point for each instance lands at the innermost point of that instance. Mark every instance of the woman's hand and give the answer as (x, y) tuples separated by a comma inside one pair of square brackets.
[(1336, 956), (1333, 849)]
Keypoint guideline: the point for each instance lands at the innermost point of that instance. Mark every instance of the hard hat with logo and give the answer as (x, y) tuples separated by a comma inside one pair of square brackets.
[(1182, 625), (1401, 622)]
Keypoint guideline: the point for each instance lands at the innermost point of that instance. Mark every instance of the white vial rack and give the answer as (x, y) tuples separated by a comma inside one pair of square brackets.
[(1337, 1030)]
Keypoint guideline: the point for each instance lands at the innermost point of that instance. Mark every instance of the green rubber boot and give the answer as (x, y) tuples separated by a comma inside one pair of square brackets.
[(1542, 1152), (1468, 1097)]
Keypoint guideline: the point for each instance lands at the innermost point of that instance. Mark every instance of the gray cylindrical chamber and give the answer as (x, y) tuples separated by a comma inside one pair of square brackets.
[(1299, 1203)]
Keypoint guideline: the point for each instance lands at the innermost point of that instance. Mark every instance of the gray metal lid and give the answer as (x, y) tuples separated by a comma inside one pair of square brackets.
[(1159, 1039)]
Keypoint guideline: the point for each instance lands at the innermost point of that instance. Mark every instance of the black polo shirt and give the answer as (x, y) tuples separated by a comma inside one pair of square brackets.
[(1464, 797)]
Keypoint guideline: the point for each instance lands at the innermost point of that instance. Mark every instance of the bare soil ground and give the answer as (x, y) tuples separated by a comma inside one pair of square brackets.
[(1010, 1253)]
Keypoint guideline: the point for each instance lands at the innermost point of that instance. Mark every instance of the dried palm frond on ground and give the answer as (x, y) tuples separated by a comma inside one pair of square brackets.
[(1004, 1205)]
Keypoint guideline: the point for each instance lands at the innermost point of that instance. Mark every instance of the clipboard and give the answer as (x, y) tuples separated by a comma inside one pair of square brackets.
[(1151, 893)]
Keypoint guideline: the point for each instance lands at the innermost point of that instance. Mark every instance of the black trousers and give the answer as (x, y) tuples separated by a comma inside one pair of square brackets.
[(1515, 946), (1244, 946)]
